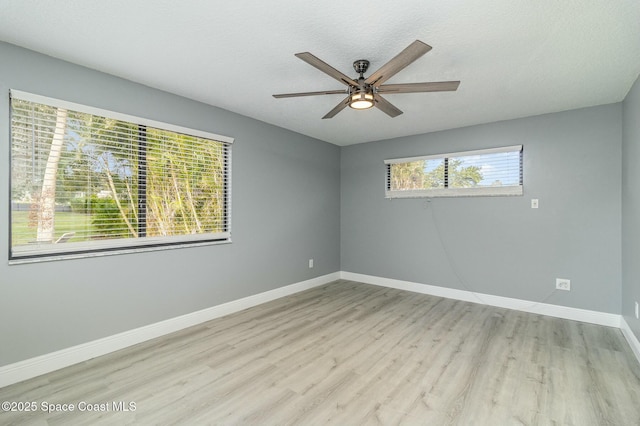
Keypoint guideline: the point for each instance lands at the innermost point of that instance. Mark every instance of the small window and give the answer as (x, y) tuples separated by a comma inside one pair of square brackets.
[(87, 181), (487, 172)]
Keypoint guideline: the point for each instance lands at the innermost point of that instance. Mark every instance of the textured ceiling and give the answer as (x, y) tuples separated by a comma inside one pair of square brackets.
[(513, 58)]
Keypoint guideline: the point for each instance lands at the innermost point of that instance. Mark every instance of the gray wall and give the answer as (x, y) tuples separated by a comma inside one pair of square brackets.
[(498, 245), (285, 210), (631, 206)]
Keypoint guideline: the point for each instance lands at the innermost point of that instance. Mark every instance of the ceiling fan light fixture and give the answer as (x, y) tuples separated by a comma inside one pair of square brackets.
[(361, 100)]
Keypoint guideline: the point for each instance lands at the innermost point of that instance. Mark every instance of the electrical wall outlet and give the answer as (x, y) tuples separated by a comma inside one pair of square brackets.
[(310, 263), (563, 284), (534, 203), (637, 311)]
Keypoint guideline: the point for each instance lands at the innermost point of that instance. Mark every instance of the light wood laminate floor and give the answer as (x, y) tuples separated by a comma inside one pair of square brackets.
[(349, 354)]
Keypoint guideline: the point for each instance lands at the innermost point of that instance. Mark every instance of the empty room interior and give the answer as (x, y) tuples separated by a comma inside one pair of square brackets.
[(423, 212)]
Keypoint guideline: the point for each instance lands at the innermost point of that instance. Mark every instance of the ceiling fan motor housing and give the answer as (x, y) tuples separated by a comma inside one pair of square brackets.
[(361, 96)]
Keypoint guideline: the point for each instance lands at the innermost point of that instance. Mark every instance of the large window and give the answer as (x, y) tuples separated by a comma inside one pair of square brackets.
[(486, 172), (86, 181)]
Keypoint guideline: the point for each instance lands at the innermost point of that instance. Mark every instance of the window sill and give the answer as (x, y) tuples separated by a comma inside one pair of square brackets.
[(114, 252), (458, 192)]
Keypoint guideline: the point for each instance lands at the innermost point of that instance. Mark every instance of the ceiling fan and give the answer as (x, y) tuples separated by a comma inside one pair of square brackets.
[(364, 93)]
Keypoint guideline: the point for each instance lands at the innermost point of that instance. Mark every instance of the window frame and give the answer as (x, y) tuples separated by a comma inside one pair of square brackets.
[(475, 191), (21, 254)]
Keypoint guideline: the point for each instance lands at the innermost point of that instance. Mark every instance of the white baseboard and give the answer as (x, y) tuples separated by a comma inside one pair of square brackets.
[(36, 366), (594, 317), (631, 338)]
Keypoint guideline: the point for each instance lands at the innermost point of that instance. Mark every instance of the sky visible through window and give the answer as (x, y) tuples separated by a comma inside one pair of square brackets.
[(502, 167)]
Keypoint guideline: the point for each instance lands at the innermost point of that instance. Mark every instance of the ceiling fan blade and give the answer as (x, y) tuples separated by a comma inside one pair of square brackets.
[(295, 95), (342, 105), (436, 86), (398, 63), (326, 68), (386, 106)]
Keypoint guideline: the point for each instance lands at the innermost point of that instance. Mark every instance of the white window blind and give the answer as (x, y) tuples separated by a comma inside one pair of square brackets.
[(486, 172), (86, 181)]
